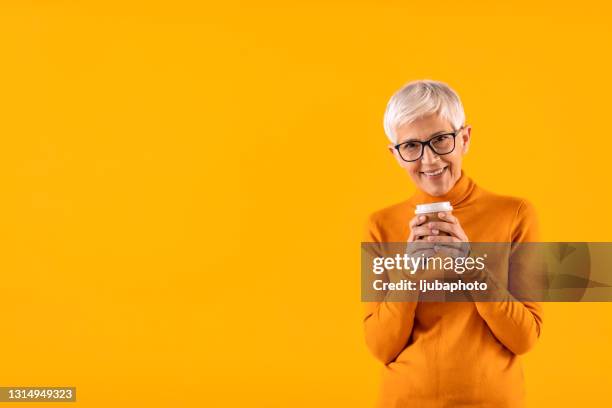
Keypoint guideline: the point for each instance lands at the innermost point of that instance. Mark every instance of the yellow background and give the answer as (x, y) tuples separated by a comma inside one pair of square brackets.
[(184, 186)]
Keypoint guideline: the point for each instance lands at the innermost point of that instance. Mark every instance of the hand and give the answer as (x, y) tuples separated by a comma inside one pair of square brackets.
[(455, 244), (416, 247), (419, 248)]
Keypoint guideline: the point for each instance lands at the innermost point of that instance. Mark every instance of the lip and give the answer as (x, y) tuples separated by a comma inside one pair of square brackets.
[(444, 169)]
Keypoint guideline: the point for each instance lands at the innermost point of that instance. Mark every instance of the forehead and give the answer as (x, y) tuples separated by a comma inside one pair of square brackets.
[(423, 128)]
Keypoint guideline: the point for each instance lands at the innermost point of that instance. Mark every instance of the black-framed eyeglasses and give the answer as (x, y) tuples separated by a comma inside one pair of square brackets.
[(413, 150)]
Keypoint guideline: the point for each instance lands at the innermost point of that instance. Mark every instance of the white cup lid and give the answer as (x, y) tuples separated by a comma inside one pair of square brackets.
[(442, 206)]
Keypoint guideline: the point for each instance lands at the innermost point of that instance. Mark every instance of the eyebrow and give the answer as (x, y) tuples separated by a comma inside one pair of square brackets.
[(439, 132)]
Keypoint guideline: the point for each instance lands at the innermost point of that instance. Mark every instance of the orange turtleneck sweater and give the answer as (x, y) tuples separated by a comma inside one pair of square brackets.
[(462, 354)]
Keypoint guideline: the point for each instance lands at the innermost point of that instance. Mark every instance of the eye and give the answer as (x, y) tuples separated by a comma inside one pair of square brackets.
[(410, 145), (441, 138)]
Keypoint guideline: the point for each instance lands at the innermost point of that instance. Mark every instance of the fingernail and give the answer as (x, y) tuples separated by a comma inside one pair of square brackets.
[(442, 215), (422, 218), (435, 231), (430, 238)]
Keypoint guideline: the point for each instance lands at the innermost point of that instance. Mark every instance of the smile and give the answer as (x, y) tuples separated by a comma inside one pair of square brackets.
[(434, 173)]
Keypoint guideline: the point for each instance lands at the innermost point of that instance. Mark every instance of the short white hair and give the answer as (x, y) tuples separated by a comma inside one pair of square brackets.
[(421, 98)]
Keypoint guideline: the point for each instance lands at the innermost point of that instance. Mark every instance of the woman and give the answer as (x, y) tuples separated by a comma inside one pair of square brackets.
[(461, 354)]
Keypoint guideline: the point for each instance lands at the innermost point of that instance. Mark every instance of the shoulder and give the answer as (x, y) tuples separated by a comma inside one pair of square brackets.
[(506, 203), (517, 212)]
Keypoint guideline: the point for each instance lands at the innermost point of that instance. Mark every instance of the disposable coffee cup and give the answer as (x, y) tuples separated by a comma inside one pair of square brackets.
[(431, 210)]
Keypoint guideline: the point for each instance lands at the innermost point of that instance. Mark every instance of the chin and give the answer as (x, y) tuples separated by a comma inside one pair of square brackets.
[(433, 187)]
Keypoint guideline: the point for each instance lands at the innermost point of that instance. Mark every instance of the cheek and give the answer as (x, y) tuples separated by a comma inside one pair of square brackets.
[(412, 169), (407, 166), (454, 159)]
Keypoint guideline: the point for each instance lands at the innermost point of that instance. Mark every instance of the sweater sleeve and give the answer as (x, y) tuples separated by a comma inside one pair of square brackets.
[(387, 324), (517, 325)]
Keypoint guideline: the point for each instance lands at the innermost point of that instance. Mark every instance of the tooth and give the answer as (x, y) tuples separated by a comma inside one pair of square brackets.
[(434, 173)]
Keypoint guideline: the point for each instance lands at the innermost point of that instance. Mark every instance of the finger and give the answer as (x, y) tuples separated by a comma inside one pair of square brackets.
[(421, 231), (448, 250), (454, 249), (450, 245), (427, 253), (412, 237), (436, 226), (417, 253), (453, 229), (418, 246), (441, 238), (417, 220), (446, 216)]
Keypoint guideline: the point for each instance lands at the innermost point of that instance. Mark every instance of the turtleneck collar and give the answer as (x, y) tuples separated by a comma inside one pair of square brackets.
[(456, 195)]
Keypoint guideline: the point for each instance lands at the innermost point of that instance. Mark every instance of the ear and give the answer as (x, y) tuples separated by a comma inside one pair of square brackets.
[(466, 137), (393, 151)]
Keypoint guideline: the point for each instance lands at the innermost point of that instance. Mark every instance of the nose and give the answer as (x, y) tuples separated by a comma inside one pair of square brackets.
[(429, 156)]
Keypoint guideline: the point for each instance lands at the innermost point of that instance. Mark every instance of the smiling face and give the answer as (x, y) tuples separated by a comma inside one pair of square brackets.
[(434, 174)]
